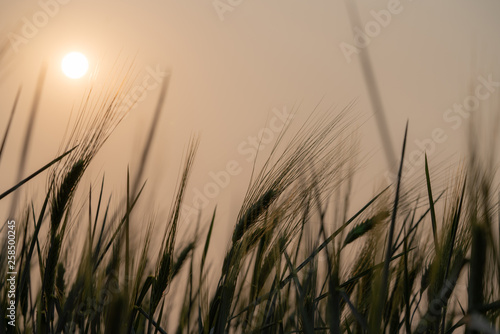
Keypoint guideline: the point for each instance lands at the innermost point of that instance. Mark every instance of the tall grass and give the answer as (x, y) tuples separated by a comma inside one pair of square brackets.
[(295, 263)]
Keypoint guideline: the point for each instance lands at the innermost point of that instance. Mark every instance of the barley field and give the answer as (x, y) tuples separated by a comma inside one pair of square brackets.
[(301, 256)]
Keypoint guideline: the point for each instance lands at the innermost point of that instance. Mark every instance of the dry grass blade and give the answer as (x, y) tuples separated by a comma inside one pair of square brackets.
[(9, 122), (373, 91), (29, 132), (151, 134), (31, 120)]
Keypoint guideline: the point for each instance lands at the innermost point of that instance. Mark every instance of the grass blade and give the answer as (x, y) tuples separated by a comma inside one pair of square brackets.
[(14, 188), (9, 122), (378, 311), (431, 204)]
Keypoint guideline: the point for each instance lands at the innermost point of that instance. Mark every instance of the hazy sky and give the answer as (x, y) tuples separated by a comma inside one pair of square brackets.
[(234, 63)]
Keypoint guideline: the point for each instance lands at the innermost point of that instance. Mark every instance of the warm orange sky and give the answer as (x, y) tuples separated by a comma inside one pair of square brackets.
[(232, 65)]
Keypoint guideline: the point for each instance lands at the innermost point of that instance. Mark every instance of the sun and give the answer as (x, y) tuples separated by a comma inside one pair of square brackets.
[(74, 65)]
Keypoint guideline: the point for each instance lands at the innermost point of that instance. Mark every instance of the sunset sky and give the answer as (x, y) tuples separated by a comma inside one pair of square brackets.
[(235, 65)]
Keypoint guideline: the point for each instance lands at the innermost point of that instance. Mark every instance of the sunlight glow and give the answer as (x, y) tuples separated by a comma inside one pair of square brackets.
[(74, 65)]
